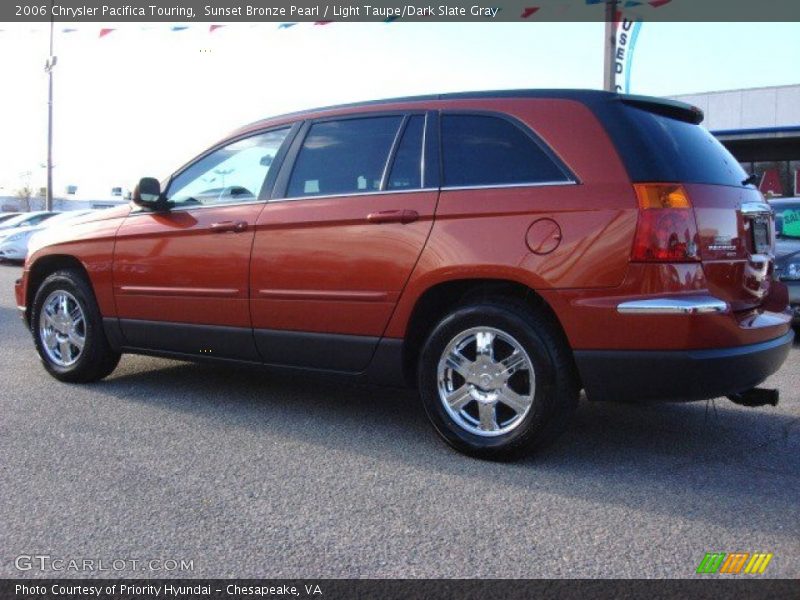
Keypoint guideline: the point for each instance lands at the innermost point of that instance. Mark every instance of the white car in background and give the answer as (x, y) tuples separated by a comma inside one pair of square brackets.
[(14, 240), (7, 215), (26, 219)]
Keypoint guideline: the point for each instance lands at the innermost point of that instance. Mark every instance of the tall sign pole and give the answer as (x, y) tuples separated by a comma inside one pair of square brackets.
[(609, 66), (51, 62)]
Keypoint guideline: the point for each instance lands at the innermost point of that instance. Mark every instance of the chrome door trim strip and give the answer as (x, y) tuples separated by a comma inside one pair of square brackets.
[(352, 195), (333, 295), (136, 290), (500, 186)]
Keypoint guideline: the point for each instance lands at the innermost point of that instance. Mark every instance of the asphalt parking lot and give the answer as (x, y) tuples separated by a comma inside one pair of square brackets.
[(255, 474)]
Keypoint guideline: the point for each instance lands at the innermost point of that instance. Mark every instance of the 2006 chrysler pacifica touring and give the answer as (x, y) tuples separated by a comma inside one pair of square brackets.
[(499, 250)]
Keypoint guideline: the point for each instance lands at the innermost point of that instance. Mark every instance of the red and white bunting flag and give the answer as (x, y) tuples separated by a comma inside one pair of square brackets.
[(529, 11)]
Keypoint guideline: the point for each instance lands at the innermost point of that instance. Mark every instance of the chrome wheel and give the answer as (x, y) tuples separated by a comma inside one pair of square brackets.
[(62, 328), (486, 381)]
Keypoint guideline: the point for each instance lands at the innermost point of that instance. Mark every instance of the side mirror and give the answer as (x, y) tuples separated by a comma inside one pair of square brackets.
[(148, 194)]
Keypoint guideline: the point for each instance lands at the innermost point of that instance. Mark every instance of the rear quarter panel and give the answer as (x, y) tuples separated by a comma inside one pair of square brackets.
[(480, 233)]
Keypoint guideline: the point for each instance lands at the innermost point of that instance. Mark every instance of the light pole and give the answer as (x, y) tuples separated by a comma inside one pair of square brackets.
[(51, 62), (609, 63)]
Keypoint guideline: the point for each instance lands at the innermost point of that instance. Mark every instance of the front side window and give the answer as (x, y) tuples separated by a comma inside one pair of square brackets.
[(231, 174), (343, 157), (480, 150)]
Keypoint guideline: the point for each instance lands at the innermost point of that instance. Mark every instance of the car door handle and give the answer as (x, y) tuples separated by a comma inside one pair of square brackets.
[(393, 216), (234, 226)]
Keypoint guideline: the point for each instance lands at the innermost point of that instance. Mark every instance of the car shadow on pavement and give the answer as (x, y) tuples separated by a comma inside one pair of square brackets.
[(706, 460)]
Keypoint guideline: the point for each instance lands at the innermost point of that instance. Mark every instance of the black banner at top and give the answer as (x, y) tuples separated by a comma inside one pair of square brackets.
[(288, 11)]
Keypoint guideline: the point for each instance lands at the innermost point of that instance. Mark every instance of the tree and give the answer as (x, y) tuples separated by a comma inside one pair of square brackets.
[(24, 194)]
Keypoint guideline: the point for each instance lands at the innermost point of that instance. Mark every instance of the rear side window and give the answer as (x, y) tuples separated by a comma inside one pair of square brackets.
[(480, 150), (343, 157)]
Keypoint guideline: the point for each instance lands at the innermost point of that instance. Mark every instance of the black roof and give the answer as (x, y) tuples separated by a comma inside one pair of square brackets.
[(635, 125), (664, 106)]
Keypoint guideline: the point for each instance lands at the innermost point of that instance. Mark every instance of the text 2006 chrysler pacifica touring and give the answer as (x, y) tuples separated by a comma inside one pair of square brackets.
[(501, 251)]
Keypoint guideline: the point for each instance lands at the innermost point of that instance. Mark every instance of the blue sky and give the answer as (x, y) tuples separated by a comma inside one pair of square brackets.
[(141, 102)]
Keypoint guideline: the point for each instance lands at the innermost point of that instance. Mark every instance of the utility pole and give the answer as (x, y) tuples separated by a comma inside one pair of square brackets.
[(51, 62), (609, 63)]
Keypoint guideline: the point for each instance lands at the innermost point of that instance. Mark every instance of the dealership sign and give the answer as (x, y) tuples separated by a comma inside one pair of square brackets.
[(627, 34), (771, 183)]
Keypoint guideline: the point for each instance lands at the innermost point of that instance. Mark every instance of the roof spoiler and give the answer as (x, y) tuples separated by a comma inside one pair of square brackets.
[(665, 107)]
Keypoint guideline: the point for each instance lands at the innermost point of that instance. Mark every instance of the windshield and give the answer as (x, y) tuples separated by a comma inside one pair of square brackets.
[(787, 220)]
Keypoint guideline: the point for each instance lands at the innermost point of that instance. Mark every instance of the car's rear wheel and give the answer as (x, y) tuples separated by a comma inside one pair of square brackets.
[(68, 329), (497, 379)]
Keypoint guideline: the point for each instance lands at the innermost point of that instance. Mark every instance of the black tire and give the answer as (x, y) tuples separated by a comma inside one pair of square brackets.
[(556, 391), (97, 359)]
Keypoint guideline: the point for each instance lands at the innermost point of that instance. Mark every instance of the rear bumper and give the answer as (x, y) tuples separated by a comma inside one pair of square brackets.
[(674, 305), (679, 375)]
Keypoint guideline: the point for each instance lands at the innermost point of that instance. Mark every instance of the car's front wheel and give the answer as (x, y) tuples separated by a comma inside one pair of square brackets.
[(68, 329), (497, 379)]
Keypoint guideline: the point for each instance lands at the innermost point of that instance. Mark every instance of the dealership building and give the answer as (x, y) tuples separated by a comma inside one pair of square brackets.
[(761, 127)]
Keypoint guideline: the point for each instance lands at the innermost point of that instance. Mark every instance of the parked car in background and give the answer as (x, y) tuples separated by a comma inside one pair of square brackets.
[(6, 216), (500, 251), (26, 219), (14, 245), (787, 248)]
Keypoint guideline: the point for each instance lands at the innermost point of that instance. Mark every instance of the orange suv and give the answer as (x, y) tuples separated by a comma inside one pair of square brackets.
[(501, 251)]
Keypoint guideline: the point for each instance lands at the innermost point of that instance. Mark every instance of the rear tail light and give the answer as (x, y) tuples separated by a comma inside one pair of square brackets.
[(666, 230)]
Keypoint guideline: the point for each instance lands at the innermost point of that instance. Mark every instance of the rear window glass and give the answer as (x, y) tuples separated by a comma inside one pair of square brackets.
[(681, 152), (486, 150)]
